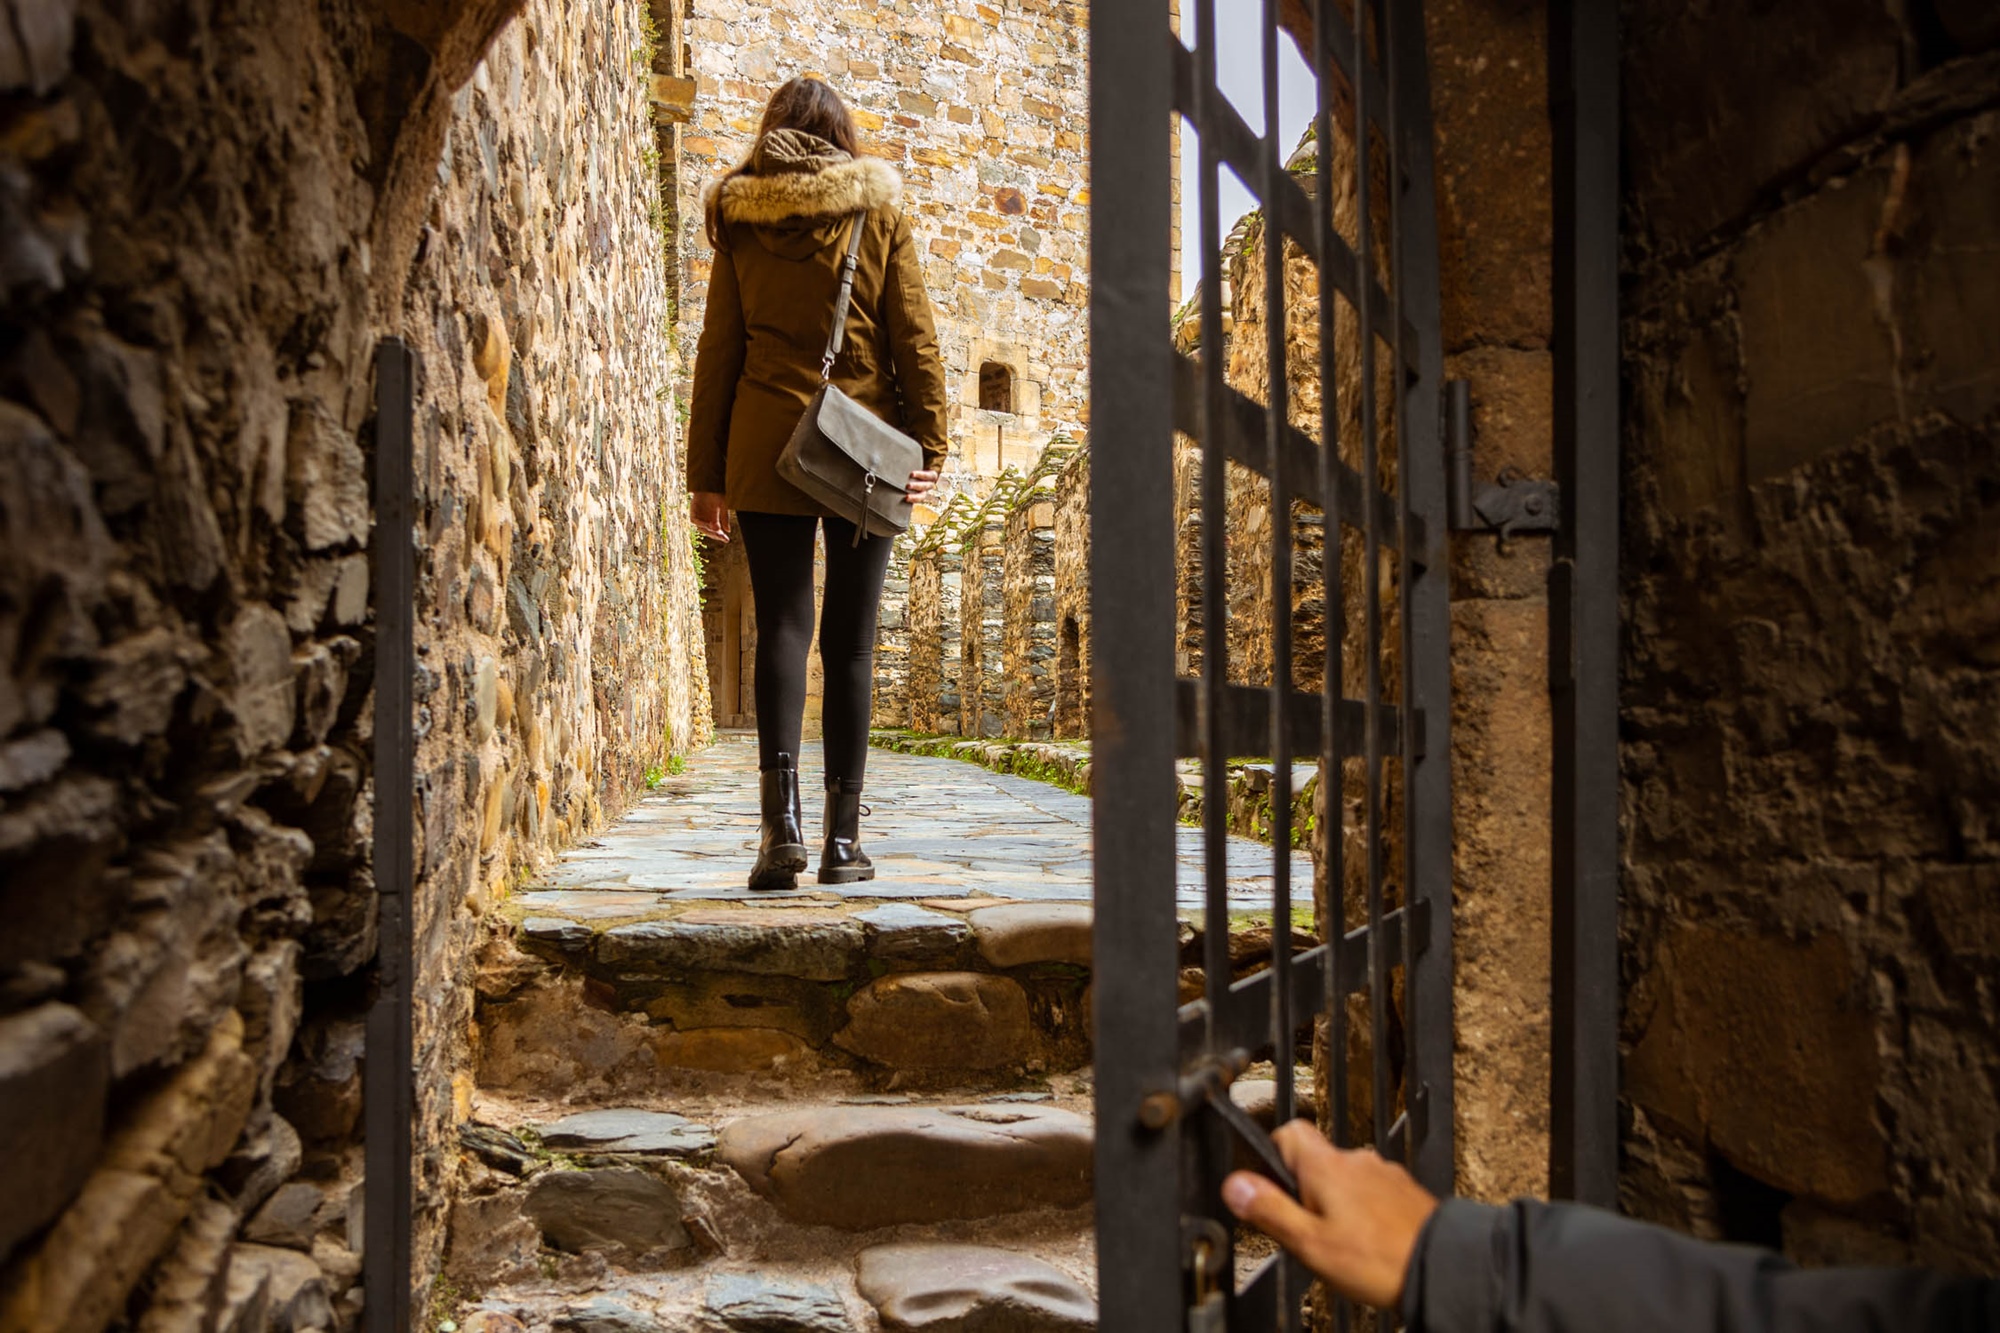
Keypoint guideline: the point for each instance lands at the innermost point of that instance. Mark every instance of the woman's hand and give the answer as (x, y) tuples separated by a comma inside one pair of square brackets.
[(921, 485), (1357, 1219), (710, 512)]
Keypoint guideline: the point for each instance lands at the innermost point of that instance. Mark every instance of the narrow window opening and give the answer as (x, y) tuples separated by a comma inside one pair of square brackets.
[(996, 388)]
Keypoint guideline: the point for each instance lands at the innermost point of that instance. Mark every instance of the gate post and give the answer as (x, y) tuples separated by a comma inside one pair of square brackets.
[(1583, 606), (388, 1082), (1132, 660)]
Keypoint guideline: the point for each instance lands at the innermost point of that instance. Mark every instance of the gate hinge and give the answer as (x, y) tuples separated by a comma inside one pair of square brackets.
[(1512, 503)]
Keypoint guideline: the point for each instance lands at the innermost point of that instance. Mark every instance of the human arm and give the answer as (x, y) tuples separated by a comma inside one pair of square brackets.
[(1376, 1236), (718, 366), (906, 308)]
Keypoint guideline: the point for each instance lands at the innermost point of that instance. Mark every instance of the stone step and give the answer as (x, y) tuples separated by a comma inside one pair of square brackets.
[(959, 994), (626, 991), (899, 1287), (844, 1214)]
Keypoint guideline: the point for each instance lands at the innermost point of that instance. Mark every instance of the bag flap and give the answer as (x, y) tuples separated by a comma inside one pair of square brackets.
[(873, 444)]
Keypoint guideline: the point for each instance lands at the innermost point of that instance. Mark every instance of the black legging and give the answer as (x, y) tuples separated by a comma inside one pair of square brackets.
[(780, 550)]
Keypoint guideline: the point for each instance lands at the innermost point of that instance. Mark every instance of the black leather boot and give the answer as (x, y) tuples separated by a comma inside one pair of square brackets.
[(841, 860), (781, 851)]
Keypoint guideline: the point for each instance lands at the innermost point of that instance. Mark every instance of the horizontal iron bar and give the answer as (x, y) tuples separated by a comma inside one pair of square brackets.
[(1246, 1022), (1257, 1299), (1247, 721), (1243, 444), (1238, 146)]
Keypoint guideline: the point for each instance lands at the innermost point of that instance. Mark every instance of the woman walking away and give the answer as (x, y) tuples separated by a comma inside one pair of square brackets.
[(781, 227)]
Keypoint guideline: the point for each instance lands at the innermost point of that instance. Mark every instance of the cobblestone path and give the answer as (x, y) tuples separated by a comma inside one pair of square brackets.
[(939, 828)]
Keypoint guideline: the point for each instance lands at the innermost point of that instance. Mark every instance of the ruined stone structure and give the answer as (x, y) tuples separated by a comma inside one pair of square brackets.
[(1028, 604), (892, 644), (209, 223), (1812, 688), (936, 581), (982, 612), (1072, 596)]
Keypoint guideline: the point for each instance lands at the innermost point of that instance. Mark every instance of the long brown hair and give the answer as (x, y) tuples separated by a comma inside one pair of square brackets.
[(808, 105)]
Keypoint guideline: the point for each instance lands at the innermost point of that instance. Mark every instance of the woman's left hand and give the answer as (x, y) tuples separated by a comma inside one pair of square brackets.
[(921, 485)]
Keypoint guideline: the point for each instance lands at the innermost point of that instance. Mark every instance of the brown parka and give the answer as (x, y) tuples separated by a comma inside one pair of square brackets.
[(783, 230)]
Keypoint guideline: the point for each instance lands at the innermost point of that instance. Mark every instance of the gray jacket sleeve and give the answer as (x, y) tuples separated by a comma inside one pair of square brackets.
[(1534, 1267)]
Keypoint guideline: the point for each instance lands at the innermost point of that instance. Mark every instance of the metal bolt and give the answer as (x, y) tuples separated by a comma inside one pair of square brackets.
[(1158, 1110)]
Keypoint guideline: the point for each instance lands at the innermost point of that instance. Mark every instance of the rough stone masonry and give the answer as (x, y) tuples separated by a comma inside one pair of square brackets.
[(208, 217)]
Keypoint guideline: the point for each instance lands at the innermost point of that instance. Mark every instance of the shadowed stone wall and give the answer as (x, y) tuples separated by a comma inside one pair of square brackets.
[(892, 639), (936, 586), (982, 607), (211, 216), (1072, 597), (1812, 585), (1028, 573)]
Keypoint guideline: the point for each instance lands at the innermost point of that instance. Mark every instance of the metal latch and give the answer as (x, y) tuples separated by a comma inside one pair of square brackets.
[(1512, 503)]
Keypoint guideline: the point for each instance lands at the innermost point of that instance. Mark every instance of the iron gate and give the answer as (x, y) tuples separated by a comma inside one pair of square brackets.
[(1376, 988)]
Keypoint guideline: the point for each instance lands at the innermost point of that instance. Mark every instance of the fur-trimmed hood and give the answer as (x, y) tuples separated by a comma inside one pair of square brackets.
[(791, 174)]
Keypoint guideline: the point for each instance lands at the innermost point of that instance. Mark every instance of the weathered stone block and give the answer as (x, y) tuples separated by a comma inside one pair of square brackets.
[(1954, 312), (620, 1209), (858, 1168), (1017, 934), (815, 946), (931, 1288), (749, 1303), (53, 1083), (1819, 352), (939, 1020), (806, 1009), (1700, 77), (193, 1279), (1741, 1024)]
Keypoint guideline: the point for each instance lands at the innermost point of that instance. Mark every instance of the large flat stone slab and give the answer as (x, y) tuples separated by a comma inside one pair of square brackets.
[(612, 1208), (754, 1303), (861, 1167), (905, 933), (628, 1130), (819, 947), (1016, 934), (939, 1020), (970, 1289)]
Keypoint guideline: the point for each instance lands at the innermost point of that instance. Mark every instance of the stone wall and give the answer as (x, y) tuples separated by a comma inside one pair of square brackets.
[(892, 638), (936, 643), (982, 108), (210, 220), (982, 609), (1812, 684), (1072, 597), (1028, 617), (559, 622)]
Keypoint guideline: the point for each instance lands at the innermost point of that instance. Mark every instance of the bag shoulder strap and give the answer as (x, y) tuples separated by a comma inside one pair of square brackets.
[(839, 334)]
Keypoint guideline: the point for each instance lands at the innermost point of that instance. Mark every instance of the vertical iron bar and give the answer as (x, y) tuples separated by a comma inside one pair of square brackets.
[(1277, 417), (1428, 962), (389, 1093), (1583, 604), (1332, 777), (1371, 582), (1214, 542), (1135, 943)]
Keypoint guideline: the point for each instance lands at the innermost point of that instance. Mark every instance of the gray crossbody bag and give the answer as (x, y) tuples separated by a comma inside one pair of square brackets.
[(843, 455)]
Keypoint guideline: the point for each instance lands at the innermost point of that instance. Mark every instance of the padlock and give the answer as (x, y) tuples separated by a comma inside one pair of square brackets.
[(1210, 1314)]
